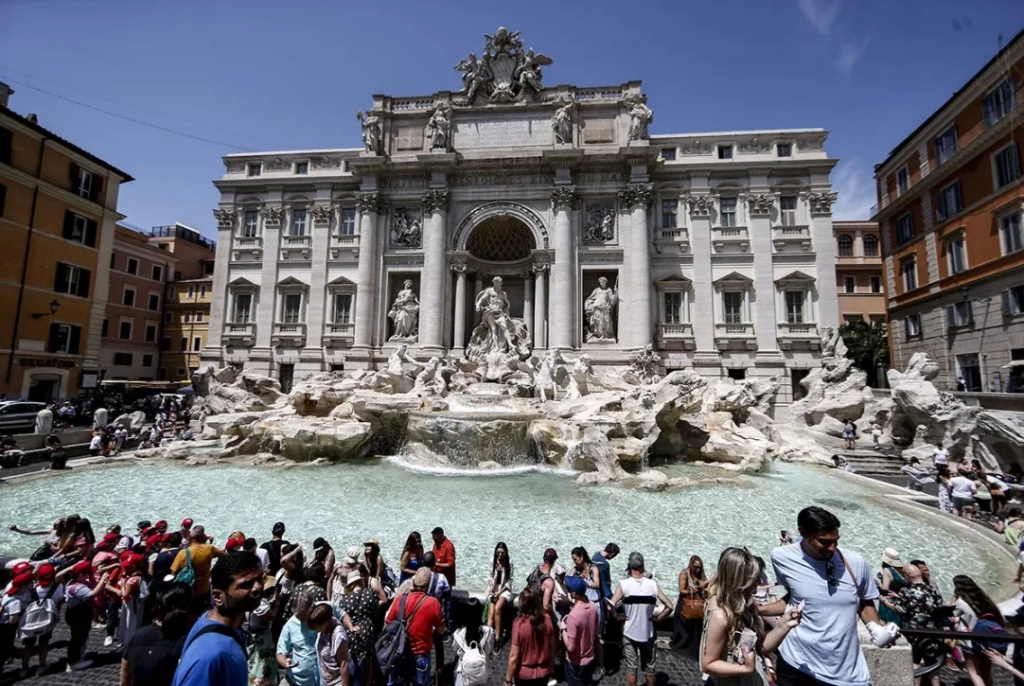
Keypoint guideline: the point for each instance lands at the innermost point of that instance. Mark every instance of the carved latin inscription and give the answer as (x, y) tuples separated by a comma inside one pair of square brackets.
[(502, 134)]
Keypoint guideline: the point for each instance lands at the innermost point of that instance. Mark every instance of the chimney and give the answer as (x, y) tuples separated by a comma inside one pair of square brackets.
[(5, 94)]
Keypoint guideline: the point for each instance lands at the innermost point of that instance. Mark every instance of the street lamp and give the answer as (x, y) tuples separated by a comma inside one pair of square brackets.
[(54, 304)]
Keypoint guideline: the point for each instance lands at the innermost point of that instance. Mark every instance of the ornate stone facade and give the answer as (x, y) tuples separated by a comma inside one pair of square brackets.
[(608, 237)]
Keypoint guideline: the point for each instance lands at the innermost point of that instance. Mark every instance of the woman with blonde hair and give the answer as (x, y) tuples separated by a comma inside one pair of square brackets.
[(735, 638)]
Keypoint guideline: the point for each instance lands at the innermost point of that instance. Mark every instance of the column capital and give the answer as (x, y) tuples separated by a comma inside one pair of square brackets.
[(564, 197), (370, 203), (539, 269), (700, 205), (637, 195), (226, 217), (459, 269), (821, 203), (271, 216), (760, 204), (321, 214), (436, 200)]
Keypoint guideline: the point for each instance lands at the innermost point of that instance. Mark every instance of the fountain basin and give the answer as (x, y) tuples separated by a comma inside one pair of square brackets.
[(469, 439)]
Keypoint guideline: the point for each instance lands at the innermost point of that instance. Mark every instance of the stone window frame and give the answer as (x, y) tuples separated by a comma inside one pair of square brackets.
[(295, 167), (797, 282), (791, 148), (304, 208), (959, 235), (680, 216), (675, 284), (339, 229), (243, 286), (1005, 211), (245, 208), (286, 287), (864, 243), (732, 283), (993, 158), (341, 286), (734, 196), (903, 171), (911, 260), (907, 321)]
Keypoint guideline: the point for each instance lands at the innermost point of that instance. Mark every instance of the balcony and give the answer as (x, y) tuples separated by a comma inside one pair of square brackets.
[(240, 334), (293, 335), (339, 335), (296, 248), (295, 241), (791, 238), (681, 332), (735, 335), (344, 248), (247, 249), (805, 334), (731, 238), (676, 239)]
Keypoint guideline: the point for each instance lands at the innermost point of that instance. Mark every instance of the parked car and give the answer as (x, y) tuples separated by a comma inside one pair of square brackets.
[(17, 416)]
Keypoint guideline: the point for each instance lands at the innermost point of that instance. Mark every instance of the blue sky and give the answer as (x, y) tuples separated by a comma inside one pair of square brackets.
[(271, 75)]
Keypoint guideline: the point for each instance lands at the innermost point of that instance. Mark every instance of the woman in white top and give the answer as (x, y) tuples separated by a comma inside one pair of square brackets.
[(499, 590)]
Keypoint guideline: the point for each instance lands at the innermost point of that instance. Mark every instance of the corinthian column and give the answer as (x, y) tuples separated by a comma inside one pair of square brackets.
[(368, 205), (540, 312), (432, 280), (637, 264), (563, 199)]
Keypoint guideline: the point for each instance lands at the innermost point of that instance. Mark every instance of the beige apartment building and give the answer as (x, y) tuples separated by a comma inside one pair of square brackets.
[(859, 271)]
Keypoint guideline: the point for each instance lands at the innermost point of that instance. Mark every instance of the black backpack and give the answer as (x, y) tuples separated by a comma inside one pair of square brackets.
[(392, 647)]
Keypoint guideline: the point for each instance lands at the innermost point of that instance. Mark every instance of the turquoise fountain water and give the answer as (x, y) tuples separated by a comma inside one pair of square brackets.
[(529, 510)]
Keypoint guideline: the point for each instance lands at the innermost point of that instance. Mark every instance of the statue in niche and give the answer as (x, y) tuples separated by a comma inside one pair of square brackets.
[(371, 131), (406, 232), (405, 313), (561, 123), (600, 226), (600, 310), (640, 116), (439, 127), (500, 340)]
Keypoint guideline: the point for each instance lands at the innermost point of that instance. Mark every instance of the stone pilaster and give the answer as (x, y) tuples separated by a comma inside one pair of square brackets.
[(369, 205), (227, 220), (432, 279), (541, 309), (320, 215), (270, 217), (760, 208), (563, 201), (637, 279), (459, 336), (703, 291), (824, 257), (528, 303)]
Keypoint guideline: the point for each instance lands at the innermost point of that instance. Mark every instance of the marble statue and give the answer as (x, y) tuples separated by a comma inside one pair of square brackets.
[(561, 123), (406, 232), (500, 340), (371, 131), (640, 115), (474, 75), (644, 367), (431, 381), (439, 127), (395, 377), (405, 313), (548, 375), (492, 303), (504, 72), (599, 226), (529, 70), (600, 310), (579, 378)]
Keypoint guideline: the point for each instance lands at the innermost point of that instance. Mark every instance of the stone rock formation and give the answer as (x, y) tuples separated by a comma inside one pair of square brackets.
[(227, 390)]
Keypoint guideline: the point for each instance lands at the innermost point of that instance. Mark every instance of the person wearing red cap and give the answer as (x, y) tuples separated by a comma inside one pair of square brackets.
[(81, 593), (132, 590), (186, 530), (47, 588), (14, 601), (161, 526)]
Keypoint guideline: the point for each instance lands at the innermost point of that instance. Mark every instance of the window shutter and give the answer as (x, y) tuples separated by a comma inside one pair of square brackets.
[(5, 146), (970, 313), (60, 283), (90, 232), (96, 189), (51, 345), (76, 336), (74, 171), (83, 283), (69, 224), (906, 327), (1006, 304)]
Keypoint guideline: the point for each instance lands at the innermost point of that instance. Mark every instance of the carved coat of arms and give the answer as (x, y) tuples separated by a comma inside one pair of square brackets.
[(505, 72)]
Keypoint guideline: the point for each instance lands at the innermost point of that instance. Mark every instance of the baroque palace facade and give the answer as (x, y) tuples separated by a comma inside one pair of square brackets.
[(717, 248)]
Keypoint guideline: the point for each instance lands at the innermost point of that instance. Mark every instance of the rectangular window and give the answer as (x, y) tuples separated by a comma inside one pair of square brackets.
[(795, 307), (158, 273), (945, 145), (123, 359), (64, 338), (948, 201), (727, 212), (105, 328), (725, 152), (197, 344), (909, 269), (902, 181), (870, 245), (998, 103), (959, 314), (72, 280), (787, 210), (784, 149), (165, 343), (199, 316), (348, 221), (128, 297), (1013, 301), (291, 308), (154, 302), (243, 305), (132, 266), (186, 317), (184, 344), (343, 308), (674, 308), (732, 307), (84, 185), (1010, 231), (80, 229), (1006, 165), (202, 291), (905, 228), (957, 255), (968, 373), (251, 224), (5, 145), (168, 317), (668, 213), (853, 318), (191, 292), (912, 326), (254, 169), (298, 222), (181, 372), (3, 198), (849, 284), (124, 331), (668, 154), (147, 360), (876, 284), (302, 168), (150, 333)]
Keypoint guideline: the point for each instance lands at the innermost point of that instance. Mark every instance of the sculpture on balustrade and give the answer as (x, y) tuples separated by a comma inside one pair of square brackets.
[(600, 309), (561, 123), (500, 340), (405, 313), (505, 71), (371, 131), (439, 127), (640, 116)]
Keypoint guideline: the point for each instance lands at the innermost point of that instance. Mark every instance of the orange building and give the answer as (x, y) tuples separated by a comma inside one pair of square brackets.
[(859, 274), (950, 211), (58, 209)]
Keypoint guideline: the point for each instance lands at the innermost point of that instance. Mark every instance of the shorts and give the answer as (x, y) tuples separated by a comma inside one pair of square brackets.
[(961, 503), (30, 641), (639, 657)]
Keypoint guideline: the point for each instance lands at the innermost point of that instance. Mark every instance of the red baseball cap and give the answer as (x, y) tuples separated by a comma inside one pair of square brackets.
[(132, 560), (81, 566), (161, 525), (21, 568), (153, 540), (186, 523), (45, 574), (19, 582), (233, 543)]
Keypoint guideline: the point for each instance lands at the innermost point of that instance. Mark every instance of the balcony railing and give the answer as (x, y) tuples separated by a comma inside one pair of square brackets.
[(296, 241), (243, 333), (345, 239), (248, 241), (798, 328), (741, 330), (339, 334), (674, 234)]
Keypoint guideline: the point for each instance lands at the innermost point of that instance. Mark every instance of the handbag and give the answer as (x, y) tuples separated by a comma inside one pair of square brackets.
[(693, 606)]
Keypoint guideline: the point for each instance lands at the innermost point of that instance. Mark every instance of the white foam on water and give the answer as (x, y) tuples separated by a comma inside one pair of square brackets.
[(411, 465)]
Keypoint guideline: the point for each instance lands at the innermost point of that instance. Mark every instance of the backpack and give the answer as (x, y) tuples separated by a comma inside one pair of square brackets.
[(987, 625), (186, 575), (41, 615), (472, 670), (535, 581), (392, 647)]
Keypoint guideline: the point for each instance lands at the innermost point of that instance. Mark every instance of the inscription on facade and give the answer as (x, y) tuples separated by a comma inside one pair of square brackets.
[(410, 138), (599, 131), (502, 134), (529, 180)]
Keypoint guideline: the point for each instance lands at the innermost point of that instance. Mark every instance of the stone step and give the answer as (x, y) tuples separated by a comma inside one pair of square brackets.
[(874, 463)]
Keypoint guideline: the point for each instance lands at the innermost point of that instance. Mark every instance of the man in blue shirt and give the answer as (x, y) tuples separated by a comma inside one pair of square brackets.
[(604, 573), (214, 653)]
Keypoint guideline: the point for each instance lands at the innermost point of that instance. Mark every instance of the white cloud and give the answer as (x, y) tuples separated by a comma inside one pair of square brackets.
[(820, 13), (853, 181), (849, 54)]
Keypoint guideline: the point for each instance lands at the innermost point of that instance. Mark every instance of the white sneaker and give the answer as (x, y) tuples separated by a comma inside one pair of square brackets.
[(108, 641), (68, 669)]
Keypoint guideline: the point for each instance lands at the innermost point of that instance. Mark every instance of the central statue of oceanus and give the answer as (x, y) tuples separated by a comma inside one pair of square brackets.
[(500, 341)]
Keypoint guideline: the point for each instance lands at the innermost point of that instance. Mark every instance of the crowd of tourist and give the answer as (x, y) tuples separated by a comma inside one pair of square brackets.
[(187, 610)]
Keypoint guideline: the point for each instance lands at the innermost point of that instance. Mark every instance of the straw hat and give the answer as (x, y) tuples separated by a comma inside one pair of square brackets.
[(891, 557)]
